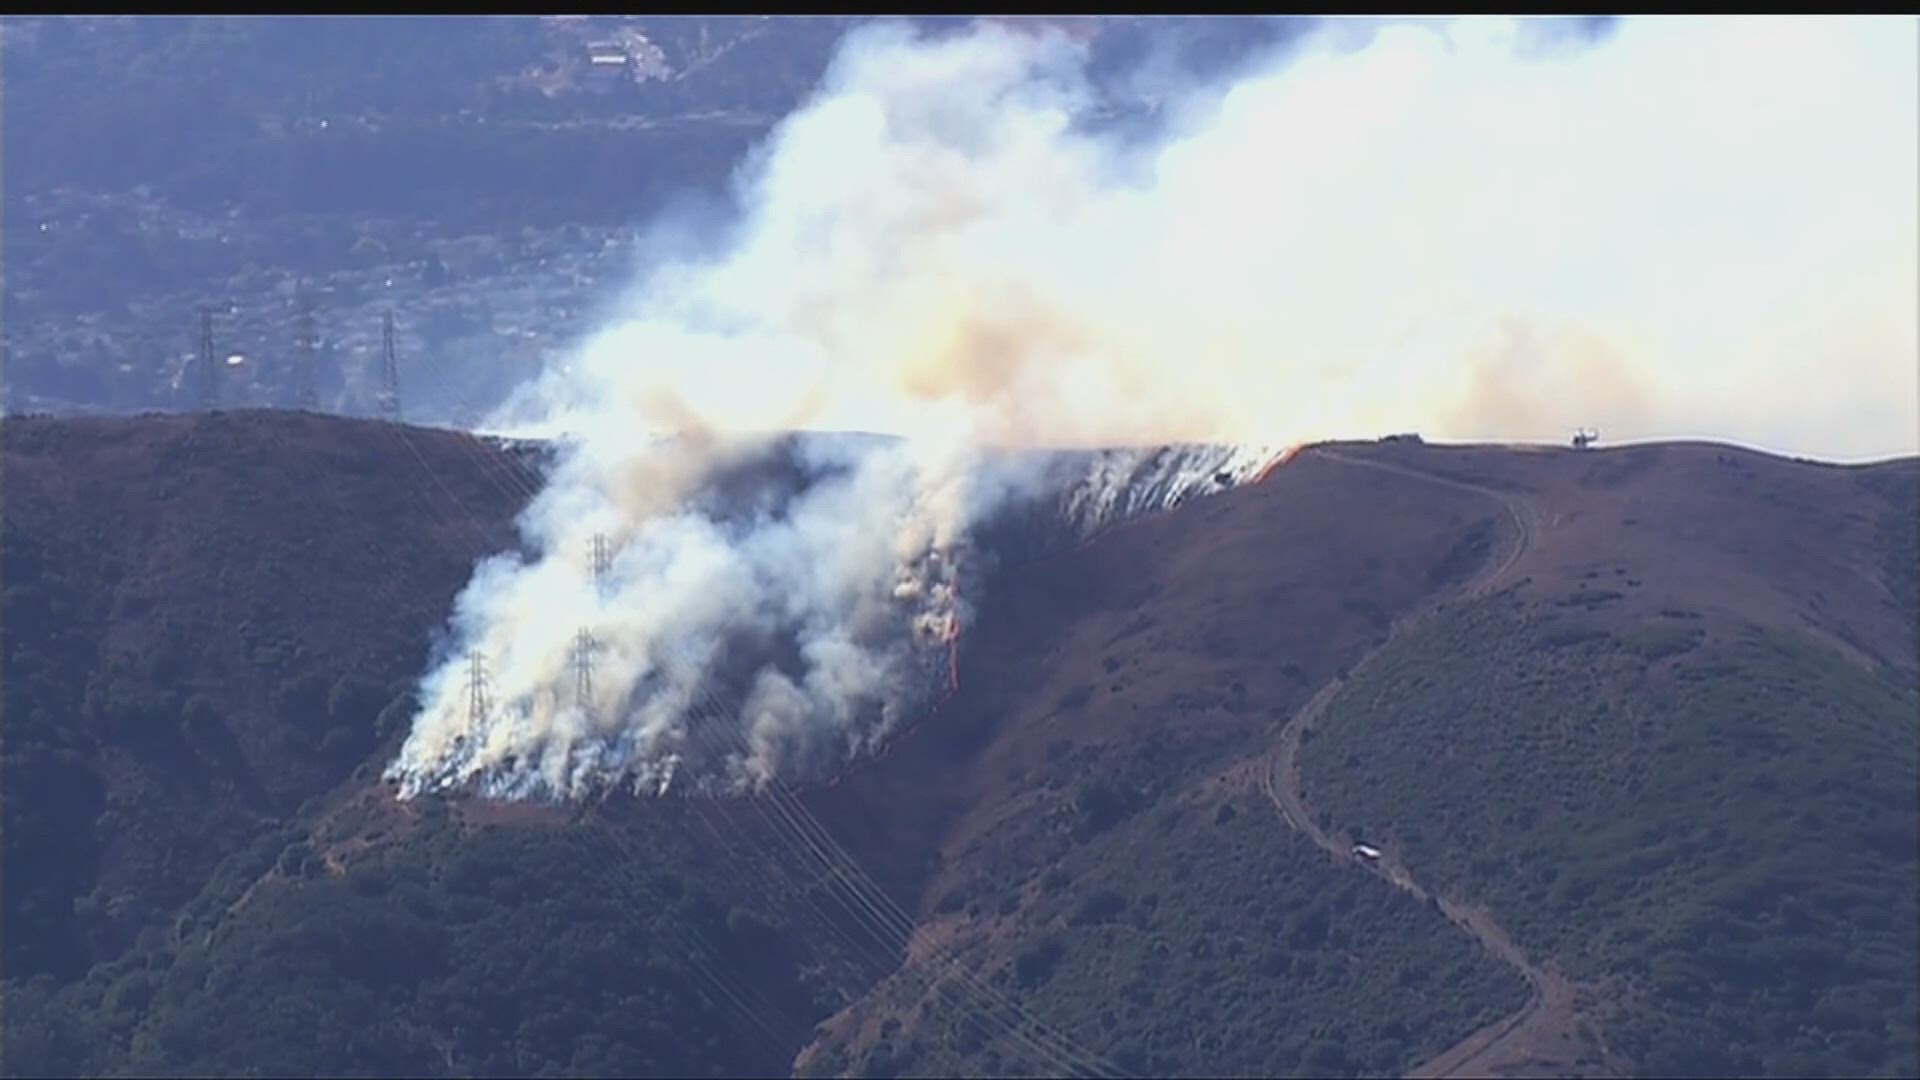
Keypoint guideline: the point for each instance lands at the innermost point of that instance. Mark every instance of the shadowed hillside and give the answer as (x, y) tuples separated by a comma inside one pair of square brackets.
[(1636, 724), (203, 615)]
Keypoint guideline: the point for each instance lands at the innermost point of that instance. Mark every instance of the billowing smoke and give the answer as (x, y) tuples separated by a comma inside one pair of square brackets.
[(1474, 229)]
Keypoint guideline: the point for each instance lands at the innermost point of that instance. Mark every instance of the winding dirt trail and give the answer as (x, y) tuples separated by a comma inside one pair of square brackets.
[(1546, 1036)]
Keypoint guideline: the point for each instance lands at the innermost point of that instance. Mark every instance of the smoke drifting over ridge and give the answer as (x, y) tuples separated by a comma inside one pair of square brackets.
[(1474, 229)]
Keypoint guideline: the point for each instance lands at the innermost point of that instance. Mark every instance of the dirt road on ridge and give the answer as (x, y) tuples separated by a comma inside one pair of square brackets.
[(1545, 1036)]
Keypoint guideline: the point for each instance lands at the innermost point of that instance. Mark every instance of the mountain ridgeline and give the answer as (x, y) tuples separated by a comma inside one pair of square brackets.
[(1628, 733)]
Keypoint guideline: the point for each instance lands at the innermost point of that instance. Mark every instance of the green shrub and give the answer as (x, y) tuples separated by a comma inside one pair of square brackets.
[(1034, 964)]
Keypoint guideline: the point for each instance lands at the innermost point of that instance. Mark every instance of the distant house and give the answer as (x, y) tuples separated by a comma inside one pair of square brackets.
[(1403, 437)]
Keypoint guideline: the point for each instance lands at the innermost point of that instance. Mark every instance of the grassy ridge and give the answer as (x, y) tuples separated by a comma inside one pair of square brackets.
[(1202, 938), (1722, 815), (500, 951), (205, 619)]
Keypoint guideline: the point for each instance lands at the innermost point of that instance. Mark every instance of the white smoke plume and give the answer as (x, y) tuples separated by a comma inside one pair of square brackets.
[(1474, 229)]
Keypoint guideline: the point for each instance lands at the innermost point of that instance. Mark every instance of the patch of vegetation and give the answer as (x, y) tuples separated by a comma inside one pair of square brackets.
[(1732, 831), (1466, 555), (500, 952), (174, 685), (1897, 535), (1210, 940), (1562, 634), (1584, 597), (1656, 641)]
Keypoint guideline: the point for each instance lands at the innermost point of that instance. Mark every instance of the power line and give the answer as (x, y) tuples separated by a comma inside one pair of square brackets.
[(994, 1014), (885, 924), (881, 918)]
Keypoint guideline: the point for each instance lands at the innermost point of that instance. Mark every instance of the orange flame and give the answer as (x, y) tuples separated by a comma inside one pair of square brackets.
[(952, 637), (1280, 459)]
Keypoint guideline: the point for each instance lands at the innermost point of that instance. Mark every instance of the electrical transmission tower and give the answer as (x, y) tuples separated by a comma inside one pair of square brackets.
[(389, 370), (306, 390), (583, 646), (477, 704), (209, 374), (601, 559)]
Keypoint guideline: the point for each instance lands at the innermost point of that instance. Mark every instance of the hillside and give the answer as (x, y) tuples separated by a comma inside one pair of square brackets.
[(1808, 568), (1068, 797), (201, 614), (1677, 757), (1671, 688)]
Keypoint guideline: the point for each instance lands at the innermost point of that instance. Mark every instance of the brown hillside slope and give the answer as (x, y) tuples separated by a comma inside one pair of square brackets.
[(1252, 596), (1792, 544), (1192, 630), (1103, 694), (1640, 697), (203, 616)]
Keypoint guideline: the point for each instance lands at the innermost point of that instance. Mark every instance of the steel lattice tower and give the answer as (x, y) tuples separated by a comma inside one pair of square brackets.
[(389, 370), (583, 646), (476, 688), (209, 374)]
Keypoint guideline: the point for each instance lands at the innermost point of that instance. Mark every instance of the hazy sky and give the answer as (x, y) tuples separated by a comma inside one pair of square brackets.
[(1473, 228)]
